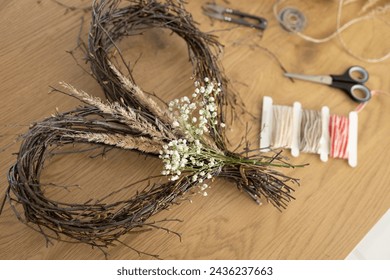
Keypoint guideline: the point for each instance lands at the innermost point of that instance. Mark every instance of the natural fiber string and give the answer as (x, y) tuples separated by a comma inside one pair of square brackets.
[(338, 32), (310, 131), (282, 132), (361, 106), (340, 29)]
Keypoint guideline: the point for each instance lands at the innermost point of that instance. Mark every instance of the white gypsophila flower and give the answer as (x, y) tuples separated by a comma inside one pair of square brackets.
[(174, 178), (194, 117)]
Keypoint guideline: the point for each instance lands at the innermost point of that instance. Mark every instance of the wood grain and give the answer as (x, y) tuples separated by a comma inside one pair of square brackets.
[(335, 205)]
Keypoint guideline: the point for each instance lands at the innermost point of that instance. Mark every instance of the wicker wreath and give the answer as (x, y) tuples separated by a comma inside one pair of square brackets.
[(132, 119)]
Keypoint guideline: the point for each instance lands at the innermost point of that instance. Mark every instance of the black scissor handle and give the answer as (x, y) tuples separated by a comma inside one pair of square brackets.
[(354, 74), (358, 92), (358, 74), (352, 82)]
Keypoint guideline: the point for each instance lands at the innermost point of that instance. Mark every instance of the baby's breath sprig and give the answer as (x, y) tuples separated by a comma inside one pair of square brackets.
[(197, 155), (196, 123), (196, 118)]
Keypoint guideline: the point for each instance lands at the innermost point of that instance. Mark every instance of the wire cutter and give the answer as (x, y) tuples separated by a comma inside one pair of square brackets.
[(230, 15)]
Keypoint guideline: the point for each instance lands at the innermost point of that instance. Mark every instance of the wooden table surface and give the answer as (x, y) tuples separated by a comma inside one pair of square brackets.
[(335, 205)]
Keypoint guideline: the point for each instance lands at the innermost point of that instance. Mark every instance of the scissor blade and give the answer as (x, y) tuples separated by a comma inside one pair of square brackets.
[(327, 80)]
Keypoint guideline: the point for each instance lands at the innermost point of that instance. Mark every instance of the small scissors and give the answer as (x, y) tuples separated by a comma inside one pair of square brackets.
[(230, 15), (352, 82)]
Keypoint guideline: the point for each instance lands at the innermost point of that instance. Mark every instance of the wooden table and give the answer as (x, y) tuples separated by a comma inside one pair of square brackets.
[(335, 205)]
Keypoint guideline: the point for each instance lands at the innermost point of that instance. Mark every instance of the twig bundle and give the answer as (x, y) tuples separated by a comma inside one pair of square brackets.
[(133, 119)]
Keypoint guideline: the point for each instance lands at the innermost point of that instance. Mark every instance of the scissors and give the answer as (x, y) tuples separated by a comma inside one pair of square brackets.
[(352, 82), (230, 15)]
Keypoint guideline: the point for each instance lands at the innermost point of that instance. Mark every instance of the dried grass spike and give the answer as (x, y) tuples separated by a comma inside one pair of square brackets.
[(127, 142)]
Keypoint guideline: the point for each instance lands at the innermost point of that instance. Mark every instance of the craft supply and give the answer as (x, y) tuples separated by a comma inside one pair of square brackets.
[(351, 82), (309, 131), (235, 16), (341, 28), (292, 19)]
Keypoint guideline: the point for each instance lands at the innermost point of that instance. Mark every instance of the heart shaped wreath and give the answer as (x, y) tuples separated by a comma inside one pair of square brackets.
[(188, 134)]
